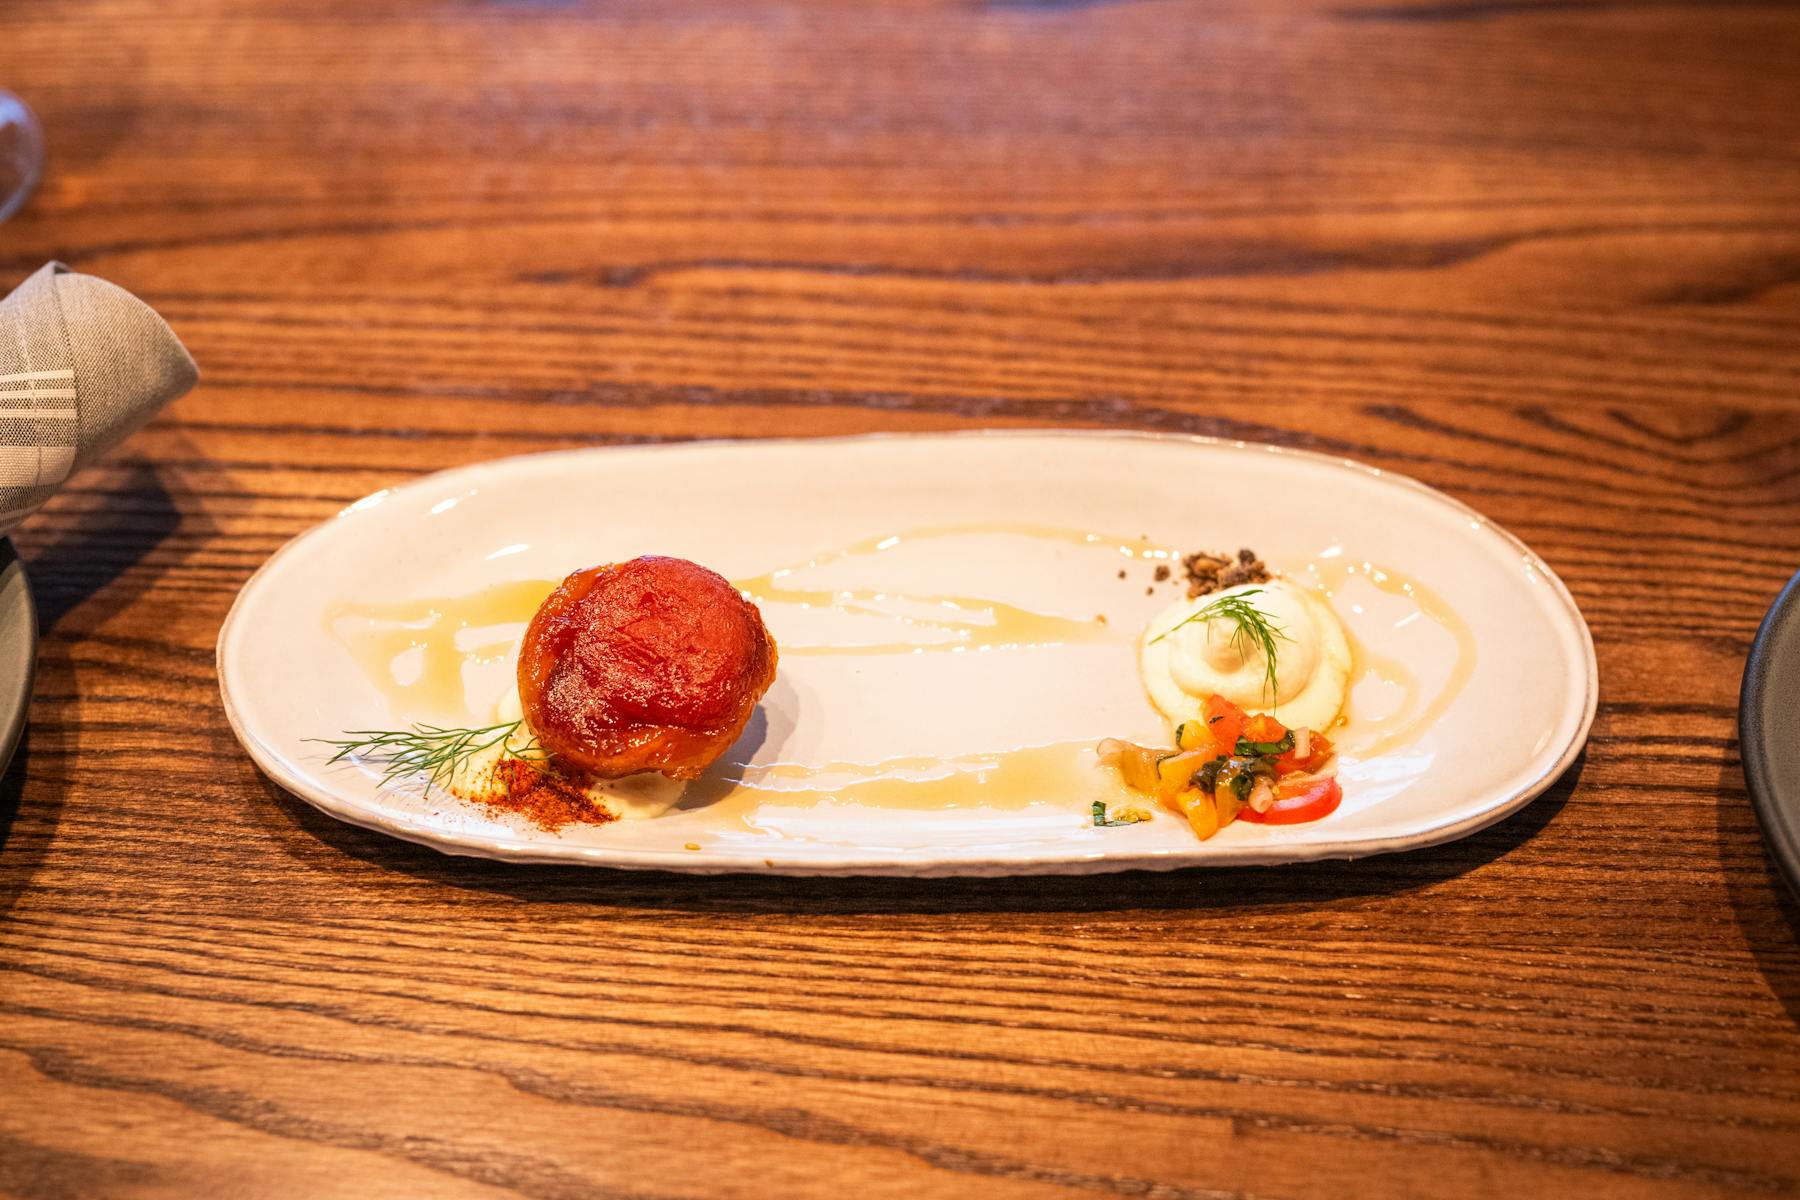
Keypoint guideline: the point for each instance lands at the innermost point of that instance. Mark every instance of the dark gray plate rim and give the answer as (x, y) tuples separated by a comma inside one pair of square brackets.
[(1769, 730), (18, 649)]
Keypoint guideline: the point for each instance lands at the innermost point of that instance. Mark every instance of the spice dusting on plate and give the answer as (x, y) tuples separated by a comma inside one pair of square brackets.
[(542, 796), (1209, 573)]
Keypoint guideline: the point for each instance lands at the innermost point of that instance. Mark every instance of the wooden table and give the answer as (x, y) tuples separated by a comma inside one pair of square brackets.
[(1543, 255)]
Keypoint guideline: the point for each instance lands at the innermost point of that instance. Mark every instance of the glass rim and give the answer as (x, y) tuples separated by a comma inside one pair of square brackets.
[(28, 161)]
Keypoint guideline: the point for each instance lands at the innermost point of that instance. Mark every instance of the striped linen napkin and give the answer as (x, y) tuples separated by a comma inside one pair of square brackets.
[(83, 363)]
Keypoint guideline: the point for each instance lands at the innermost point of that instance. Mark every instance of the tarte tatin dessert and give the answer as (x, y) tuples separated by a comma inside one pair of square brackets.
[(649, 665)]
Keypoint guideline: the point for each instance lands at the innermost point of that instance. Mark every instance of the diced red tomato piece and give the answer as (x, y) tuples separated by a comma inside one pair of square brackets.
[(1296, 803), (1264, 728), (1224, 721), (1318, 753)]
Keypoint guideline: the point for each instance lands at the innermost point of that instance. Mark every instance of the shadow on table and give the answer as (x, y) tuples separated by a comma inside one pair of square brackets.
[(1304, 884), (19, 858), (1761, 901), (75, 565)]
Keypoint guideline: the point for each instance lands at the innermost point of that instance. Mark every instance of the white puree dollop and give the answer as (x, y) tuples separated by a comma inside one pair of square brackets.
[(1200, 658)]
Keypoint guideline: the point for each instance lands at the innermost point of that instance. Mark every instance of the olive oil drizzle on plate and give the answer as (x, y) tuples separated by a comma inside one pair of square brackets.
[(428, 632), (971, 622), (1062, 773), (433, 637), (380, 637), (1415, 715)]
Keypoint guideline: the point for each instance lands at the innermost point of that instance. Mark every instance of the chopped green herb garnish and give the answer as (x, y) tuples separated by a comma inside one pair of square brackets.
[(1125, 817), (1265, 749), (1207, 777), (1253, 628)]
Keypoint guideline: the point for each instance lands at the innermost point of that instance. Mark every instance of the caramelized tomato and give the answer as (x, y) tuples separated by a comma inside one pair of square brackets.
[(649, 665)]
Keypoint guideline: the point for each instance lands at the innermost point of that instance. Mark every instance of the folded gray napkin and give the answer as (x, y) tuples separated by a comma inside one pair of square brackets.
[(82, 364)]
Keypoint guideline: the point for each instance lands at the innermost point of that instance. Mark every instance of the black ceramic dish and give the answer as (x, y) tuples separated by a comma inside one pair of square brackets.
[(1769, 730)]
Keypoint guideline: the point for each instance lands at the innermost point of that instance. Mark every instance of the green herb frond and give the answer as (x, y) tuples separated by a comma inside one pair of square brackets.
[(1253, 627), (429, 750)]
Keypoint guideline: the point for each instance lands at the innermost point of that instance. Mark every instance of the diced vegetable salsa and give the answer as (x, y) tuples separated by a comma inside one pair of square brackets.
[(1229, 765)]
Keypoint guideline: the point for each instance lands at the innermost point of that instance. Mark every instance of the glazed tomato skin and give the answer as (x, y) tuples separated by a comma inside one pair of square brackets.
[(652, 664)]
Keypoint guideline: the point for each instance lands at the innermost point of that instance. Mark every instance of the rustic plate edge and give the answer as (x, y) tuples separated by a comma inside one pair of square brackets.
[(270, 761)]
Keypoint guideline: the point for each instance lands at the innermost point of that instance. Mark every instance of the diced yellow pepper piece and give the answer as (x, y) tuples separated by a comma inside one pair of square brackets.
[(1176, 771), (1203, 815), (1193, 735), (1198, 807), (1226, 801)]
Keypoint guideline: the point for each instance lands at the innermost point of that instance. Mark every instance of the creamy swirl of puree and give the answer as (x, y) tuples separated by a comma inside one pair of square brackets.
[(1183, 664)]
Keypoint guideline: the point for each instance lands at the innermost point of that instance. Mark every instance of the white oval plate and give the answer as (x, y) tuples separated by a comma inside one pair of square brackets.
[(746, 508)]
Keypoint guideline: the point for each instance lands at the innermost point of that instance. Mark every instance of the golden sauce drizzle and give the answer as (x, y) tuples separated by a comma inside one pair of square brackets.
[(1007, 780), (381, 636), (971, 621), (1413, 717)]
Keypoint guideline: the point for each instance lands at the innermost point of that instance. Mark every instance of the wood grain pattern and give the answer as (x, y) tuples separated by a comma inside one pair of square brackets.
[(1542, 254)]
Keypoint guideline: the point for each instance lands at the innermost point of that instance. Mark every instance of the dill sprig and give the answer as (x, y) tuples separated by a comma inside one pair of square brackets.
[(430, 750), (1252, 628)]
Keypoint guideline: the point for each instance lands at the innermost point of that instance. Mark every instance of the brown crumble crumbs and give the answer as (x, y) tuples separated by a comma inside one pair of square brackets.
[(1207, 573), (1162, 572)]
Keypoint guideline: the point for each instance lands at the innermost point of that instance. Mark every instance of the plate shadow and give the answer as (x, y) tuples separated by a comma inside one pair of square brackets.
[(1762, 903), (74, 565), (1300, 885)]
